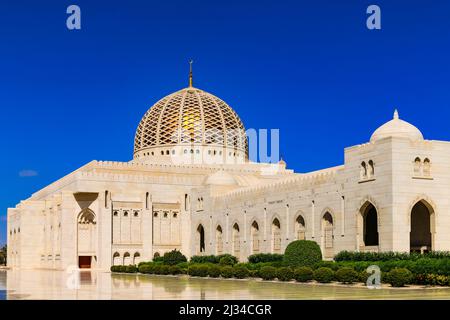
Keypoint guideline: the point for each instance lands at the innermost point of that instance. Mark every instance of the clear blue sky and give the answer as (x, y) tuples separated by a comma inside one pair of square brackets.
[(310, 68)]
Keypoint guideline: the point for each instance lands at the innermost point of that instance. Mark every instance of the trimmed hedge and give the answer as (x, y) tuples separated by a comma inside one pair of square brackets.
[(240, 272), (347, 275), (227, 261), (226, 271), (302, 253), (214, 259), (389, 256), (204, 259), (323, 275), (268, 273), (173, 257), (214, 271), (175, 270), (398, 277), (198, 270), (303, 274), (265, 257), (285, 274)]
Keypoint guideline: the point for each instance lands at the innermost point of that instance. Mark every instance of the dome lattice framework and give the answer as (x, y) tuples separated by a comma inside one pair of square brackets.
[(190, 117)]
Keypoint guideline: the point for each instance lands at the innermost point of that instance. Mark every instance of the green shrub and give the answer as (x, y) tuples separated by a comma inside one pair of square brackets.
[(214, 271), (235, 260), (268, 273), (323, 275), (254, 273), (389, 256), (198, 270), (175, 270), (327, 264), (226, 271), (131, 269), (173, 257), (265, 257), (285, 274), (302, 253), (156, 268), (347, 275), (164, 269), (227, 261), (183, 265), (121, 268), (398, 277), (146, 268), (303, 274), (204, 259), (113, 268), (240, 272)]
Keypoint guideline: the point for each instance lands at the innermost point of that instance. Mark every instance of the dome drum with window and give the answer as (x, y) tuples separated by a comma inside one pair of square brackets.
[(190, 123)]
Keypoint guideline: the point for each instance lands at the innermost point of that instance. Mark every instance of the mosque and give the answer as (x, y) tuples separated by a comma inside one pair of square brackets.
[(191, 187)]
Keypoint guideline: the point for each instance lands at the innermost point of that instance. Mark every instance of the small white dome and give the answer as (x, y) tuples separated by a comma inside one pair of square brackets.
[(397, 128), (221, 178)]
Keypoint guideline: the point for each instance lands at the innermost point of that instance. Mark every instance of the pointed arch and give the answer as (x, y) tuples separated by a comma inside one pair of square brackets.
[(219, 239), (327, 227), (255, 237), (236, 240), (276, 235), (200, 239), (300, 226), (422, 215), (368, 224)]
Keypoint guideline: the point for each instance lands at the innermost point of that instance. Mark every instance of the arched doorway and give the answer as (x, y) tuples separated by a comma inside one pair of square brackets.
[(254, 233), (200, 239), (300, 228), (370, 225), (422, 225), (276, 236), (236, 241), (327, 235), (86, 235), (219, 240)]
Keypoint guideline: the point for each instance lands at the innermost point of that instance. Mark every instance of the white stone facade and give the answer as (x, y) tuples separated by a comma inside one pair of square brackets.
[(391, 194)]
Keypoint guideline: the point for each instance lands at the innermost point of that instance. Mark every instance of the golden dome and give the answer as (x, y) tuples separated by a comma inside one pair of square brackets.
[(190, 117)]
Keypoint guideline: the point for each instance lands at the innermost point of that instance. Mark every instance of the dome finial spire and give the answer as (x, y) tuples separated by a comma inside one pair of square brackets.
[(396, 116), (190, 73)]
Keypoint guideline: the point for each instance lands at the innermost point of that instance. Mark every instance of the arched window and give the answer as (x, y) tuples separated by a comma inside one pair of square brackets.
[(219, 240), (426, 167), (136, 258), (255, 237), (126, 259), (276, 236), (236, 240), (300, 228), (417, 166), (106, 199), (116, 259), (363, 172), (371, 169), (327, 235), (147, 195), (125, 213)]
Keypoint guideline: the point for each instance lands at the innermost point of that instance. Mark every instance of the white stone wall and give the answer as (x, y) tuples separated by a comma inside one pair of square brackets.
[(141, 209)]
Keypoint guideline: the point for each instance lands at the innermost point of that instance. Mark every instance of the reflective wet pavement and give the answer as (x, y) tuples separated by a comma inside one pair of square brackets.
[(91, 285)]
